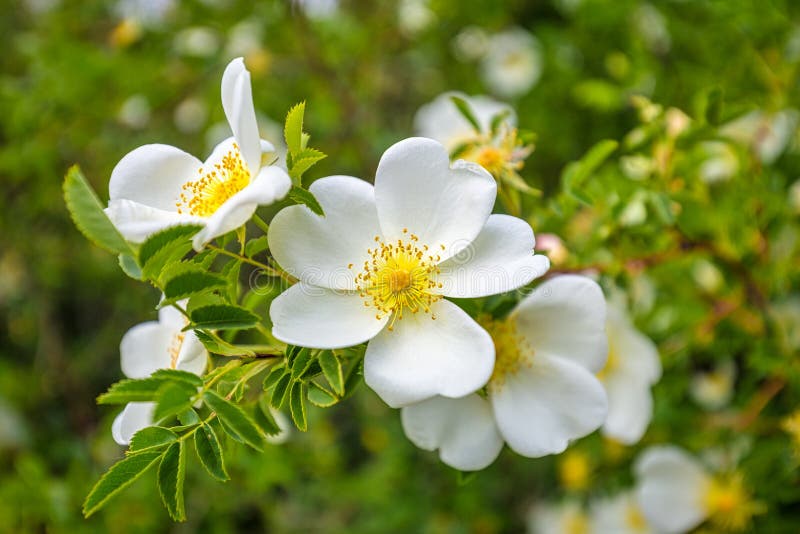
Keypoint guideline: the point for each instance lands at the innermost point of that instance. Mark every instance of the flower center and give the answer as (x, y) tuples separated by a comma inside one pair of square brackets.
[(612, 362), (635, 519), (175, 349), (729, 504), (215, 186), (491, 159), (398, 277), (512, 351)]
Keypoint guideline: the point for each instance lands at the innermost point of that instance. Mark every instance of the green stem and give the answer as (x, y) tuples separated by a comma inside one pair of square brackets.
[(261, 224)]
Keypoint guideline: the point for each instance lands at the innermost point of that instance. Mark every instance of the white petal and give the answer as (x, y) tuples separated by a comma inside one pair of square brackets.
[(542, 407), (134, 417), (193, 356), (312, 316), (451, 356), (415, 188), (440, 119), (136, 222), (146, 348), (619, 514), (636, 354), (271, 184), (630, 408), (500, 259), (171, 317), (153, 175), (462, 429), (565, 317), (237, 101), (670, 490), (331, 243)]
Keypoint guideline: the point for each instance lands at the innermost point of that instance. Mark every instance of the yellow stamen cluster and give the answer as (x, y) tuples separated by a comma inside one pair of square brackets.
[(500, 155), (576, 523), (635, 520), (215, 186), (175, 349), (612, 361), (729, 504), (575, 470), (512, 351), (399, 276)]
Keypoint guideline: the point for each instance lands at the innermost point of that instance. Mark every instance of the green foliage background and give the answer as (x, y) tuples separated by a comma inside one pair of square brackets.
[(64, 304)]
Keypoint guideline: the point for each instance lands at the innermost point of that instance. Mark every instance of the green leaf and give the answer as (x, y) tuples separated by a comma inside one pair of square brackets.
[(130, 390), (235, 418), (293, 129), (274, 375), (713, 110), (281, 390), (466, 112), (87, 213), (297, 406), (301, 363), (304, 196), (231, 273), (127, 263), (151, 437), (121, 475), (222, 317), (216, 345), (302, 161), (173, 398), (178, 375), (263, 418), (208, 450), (577, 172), (189, 417), (256, 246), (171, 476), (332, 369), (164, 247), (191, 282), (319, 396), (497, 120)]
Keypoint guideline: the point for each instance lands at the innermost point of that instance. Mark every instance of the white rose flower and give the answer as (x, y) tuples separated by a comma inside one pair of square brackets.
[(513, 63), (157, 186), (713, 390), (767, 134), (148, 347), (632, 367), (542, 393), (378, 264), (619, 514), (441, 120), (676, 493)]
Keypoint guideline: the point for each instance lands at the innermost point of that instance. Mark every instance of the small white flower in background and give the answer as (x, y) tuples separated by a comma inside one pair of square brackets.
[(148, 347), (542, 393), (619, 514), (714, 389), (567, 517), (284, 425), (441, 120), (766, 134), (470, 44), (633, 366), (190, 115), (676, 493), (720, 164), (197, 41), (513, 63), (158, 186), (318, 9), (135, 112), (414, 16), (377, 266), (148, 13), (652, 28)]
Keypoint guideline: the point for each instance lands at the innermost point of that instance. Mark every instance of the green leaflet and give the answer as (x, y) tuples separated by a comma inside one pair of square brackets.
[(119, 476), (87, 213)]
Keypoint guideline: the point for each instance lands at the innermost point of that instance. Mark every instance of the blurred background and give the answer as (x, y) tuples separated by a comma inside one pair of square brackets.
[(86, 82)]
